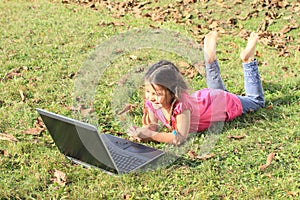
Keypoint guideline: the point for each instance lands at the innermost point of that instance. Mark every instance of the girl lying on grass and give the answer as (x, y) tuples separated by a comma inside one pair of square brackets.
[(167, 98)]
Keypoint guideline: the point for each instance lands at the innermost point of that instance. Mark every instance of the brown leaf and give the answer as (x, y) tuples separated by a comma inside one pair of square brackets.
[(118, 23), (269, 107), (39, 123), (4, 153), (14, 73), (237, 137), (213, 25), (126, 196), (249, 15), (194, 155), (33, 131), (183, 64), (133, 57), (292, 193), (288, 28), (38, 128), (23, 97), (270, 158), (87, 111), (207, 156), (7, 137), (127, 108), (59, 177)]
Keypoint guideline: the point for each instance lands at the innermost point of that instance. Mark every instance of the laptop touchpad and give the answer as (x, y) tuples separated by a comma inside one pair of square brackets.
[(135, 148)]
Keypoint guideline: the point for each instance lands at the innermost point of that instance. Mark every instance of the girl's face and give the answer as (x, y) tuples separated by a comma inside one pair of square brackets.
[(158, 96)]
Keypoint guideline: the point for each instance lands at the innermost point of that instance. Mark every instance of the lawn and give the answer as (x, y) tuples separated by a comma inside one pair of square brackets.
[(45, 44)]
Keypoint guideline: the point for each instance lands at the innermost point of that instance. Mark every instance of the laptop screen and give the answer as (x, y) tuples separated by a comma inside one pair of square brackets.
[(78, 140)]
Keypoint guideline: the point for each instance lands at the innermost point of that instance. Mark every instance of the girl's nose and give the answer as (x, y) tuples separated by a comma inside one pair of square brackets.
[(153, 98)]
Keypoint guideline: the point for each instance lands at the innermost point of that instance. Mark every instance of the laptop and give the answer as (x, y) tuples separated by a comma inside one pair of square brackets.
[(83, 144)]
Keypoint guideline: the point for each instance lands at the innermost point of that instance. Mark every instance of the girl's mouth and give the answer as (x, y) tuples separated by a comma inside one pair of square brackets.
[(156, 105)]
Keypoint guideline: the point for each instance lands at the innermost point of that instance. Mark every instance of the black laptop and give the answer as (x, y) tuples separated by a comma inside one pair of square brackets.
[(83, 144)]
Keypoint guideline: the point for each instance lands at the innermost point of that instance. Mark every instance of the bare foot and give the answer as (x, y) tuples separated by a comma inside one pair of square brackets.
[(210, 43), (247, 55)]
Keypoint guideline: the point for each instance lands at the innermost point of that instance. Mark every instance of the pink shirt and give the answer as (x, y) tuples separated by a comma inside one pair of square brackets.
[(206, 106)]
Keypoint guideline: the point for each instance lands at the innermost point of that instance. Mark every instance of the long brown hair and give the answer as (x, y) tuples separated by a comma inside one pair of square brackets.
[(167, 75)]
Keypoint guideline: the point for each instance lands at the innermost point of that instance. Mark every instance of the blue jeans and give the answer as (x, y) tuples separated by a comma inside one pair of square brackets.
[(254, 98)]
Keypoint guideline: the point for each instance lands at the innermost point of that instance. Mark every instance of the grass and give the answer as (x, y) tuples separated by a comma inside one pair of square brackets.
[(45, 42)]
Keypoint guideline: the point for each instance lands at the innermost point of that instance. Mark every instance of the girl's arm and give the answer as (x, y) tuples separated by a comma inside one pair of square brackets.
[(183, 127)]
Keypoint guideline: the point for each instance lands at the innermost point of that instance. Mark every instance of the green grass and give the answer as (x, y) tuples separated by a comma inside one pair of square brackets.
[(45, 42)]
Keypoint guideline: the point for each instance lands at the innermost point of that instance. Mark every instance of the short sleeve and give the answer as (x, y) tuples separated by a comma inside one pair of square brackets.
[(184, 104)]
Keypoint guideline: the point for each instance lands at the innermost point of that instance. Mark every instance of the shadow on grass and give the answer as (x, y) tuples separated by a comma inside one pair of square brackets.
[(274, 112)]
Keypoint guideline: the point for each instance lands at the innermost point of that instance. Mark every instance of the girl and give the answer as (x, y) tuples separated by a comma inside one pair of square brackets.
[(167, 98)]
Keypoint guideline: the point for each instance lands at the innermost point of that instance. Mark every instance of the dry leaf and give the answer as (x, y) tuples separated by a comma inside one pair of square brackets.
[(270, 158), (133, 57), (87, 111), (38, 129), (207, 156), (34, 131), (269, 107), (183, 64), (7, 137), (194, 155), (59, 177), (4, 153), (23, 97), (118, 23), (288, 28), (128, 107), (292, 193), (126, 196), (13, 74), (237, 137)]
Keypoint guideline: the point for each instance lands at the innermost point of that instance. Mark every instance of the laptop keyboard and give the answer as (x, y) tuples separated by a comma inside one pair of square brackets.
[(125, 163)]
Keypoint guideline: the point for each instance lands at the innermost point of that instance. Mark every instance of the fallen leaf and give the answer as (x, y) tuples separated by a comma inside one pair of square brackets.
[(7, 137), (14, 73), (270, 158), (127, 108), (87, 111), (236, 150), (237, 137), (194, 155), (4, 153), (133, 57), (38, 128), (33, 131), (268, 175), (59, 177), (206, 156), (288, 28), (126, 196), (292, 193), (269, 107), (23, 97), (183, 64), (118, 23)]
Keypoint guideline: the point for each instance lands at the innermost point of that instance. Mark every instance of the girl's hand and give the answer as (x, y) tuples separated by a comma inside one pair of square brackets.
[(133, 131), (142, 132)]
